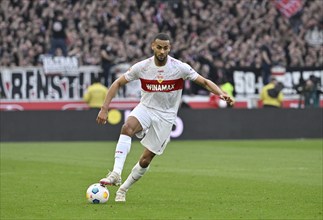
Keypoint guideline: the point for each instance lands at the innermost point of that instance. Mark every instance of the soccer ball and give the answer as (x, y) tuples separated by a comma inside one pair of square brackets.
[(97, 193)]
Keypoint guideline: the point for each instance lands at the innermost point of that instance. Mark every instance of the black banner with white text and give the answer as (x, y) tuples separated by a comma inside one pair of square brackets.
[(29, 88)]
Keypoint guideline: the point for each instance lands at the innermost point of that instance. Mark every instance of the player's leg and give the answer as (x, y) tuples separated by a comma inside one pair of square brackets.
[(131, 127), (155, 142), (137, 172), (123, 147), (138, 120)]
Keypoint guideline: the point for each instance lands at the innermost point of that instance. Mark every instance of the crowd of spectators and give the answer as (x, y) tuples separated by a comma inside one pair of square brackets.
[(210, 35)]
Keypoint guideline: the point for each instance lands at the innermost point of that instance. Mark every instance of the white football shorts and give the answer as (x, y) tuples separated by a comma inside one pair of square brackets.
[(156, 130)]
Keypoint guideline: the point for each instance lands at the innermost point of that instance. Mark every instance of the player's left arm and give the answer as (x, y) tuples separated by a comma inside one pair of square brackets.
[(212, 87)]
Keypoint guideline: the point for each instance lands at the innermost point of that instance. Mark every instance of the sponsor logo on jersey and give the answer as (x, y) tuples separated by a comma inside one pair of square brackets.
[(164, 86)]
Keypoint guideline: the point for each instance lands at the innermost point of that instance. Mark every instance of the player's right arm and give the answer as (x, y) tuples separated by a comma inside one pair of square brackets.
[(116, 85)]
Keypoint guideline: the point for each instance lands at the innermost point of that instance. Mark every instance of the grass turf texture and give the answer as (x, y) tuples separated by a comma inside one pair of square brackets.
[(191, 180)]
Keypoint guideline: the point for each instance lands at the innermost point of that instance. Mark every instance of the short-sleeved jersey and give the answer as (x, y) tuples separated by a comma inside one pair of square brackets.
[(161, 86)]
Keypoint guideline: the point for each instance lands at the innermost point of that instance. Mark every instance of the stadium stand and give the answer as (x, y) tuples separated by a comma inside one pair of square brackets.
[(212, 36)]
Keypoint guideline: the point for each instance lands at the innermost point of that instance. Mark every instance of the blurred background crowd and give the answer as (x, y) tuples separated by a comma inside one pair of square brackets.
[(212, 36)]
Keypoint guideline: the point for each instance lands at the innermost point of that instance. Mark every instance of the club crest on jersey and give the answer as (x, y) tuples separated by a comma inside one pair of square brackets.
[(160, 78)]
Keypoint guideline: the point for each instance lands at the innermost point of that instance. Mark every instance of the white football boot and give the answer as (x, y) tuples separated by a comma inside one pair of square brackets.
[(112, 179), (120, 195)]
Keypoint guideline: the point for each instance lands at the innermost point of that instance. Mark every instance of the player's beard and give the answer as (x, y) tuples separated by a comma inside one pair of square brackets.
[(161, 58)]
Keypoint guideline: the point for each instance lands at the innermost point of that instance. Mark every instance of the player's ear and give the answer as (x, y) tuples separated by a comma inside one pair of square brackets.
[(152, 45)]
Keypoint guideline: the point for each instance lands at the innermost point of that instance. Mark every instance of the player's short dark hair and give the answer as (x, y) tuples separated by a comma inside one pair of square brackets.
[(162, 36)]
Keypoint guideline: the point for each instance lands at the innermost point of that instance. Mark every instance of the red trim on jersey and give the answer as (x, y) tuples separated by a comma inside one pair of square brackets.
[(164, 86)]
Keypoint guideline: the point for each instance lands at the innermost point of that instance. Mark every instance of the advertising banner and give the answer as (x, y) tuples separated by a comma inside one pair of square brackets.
[(30, 88), (248, 81), (190, 124)]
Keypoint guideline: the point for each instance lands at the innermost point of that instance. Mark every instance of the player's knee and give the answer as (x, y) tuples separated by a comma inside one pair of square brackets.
[(127, 130), (144, 162)]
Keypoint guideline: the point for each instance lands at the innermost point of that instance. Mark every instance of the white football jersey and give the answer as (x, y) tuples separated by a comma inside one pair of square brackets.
[(161, 86)]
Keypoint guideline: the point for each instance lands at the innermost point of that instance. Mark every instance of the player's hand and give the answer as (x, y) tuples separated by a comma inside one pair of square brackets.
[(227, 98), (102, 116)]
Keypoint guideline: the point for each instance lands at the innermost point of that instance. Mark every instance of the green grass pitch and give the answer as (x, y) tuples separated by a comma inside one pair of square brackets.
[(267, 179)]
